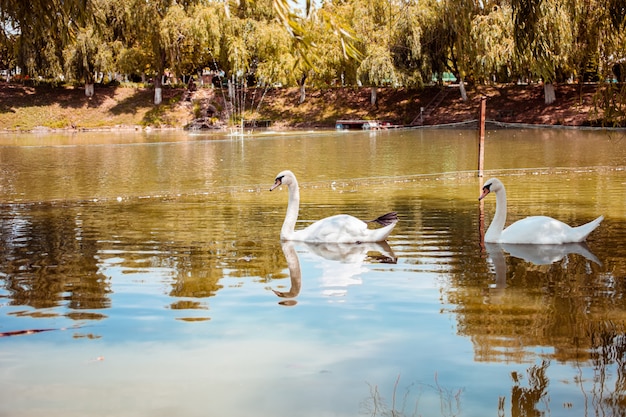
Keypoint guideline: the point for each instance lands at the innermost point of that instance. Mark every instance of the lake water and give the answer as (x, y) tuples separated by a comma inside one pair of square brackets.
[(142, 274)]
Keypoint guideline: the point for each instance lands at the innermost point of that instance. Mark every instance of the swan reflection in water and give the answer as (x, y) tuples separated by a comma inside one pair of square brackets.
[(548, 254), (341, 264), (295, 273), (535, 254)]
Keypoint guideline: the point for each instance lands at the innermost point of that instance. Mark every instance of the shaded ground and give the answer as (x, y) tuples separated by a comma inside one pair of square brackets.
[(512, 104), (524, 104), (27, 108)]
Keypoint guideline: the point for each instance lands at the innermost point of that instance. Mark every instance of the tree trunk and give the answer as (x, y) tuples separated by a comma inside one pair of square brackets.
[(231, 89), (373, 96), (302, 94), (158, 94), (89, 91), (548, 91), (462, 89), (302, 88)]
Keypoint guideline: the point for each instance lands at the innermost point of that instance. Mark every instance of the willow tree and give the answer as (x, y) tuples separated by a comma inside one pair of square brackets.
[(587, 23), (91, 50), (295, 22), (53, 37), (79, 58), (377, 69), (206, 34), (406, 46), (160, 35), (40, 57), (610, 100), (136, 37), (613, 39), (492, 37), (237, 59), (245, 24), (373, 23), (132, 60), (274, 62), (446, 37), (257, 48), (325, 62), (544, 39), (177, 38), (8, 42), (329, 62), (148, 35), (41, 29)]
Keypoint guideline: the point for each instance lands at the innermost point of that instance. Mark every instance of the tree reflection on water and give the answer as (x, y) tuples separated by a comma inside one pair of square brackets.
[(48, 261), (524, 400), (529, 396)]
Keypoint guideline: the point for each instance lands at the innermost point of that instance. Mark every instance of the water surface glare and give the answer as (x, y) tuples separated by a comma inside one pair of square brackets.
[(143, 274)]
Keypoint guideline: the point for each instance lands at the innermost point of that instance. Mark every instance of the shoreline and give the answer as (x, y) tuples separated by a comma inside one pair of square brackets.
[(30, 109), (490, 125)]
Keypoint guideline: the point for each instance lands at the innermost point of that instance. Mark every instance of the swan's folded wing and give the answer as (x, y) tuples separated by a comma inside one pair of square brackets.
[(341, 228), (537, 230)]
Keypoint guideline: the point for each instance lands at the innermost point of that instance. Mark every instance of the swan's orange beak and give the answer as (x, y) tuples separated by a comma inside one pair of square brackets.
[(484, 194), (277, 183)]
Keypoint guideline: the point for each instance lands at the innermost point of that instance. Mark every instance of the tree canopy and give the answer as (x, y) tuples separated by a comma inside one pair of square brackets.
[(341, 42)]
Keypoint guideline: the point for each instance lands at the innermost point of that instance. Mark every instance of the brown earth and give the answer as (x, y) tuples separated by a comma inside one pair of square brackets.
[(511, 104), (27, 108)]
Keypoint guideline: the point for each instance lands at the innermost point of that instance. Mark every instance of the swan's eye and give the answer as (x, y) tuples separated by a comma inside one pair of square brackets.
[(280, 179), (487, 187)]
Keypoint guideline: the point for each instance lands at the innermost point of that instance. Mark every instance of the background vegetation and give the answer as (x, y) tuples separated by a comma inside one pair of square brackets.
[(374, 43)]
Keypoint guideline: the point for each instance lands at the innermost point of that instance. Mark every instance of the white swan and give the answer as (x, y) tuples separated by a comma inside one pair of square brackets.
[(341, 228), (533, 230)]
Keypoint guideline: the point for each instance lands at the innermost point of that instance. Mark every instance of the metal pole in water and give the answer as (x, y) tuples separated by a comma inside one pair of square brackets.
[(481, 135)]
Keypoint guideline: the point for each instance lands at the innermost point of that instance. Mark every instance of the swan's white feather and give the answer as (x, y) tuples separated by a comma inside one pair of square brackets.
[(540, 230), (340, 228)]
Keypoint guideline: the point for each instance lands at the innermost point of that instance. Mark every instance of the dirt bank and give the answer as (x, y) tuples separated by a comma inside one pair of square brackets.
[(27, 107), (512, 104)]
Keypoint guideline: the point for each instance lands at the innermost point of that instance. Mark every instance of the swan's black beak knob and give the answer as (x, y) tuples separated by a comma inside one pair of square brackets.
[(278, 182), (486, 191)]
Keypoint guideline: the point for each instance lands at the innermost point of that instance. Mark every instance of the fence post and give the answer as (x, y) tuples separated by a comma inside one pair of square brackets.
[(481, 135)]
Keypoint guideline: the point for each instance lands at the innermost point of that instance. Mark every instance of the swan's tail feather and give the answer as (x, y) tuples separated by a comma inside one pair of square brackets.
[(586, 229), (386, 219)]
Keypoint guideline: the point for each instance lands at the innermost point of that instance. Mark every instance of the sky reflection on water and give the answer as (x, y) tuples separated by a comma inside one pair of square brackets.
[(157, 286)]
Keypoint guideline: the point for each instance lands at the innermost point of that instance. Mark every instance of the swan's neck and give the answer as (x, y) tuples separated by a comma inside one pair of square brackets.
[(291, 217), (295, 273), (497, 223)]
